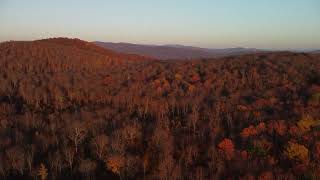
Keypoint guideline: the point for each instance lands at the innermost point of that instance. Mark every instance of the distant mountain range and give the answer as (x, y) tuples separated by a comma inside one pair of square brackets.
[(316, 52), (174, 51)]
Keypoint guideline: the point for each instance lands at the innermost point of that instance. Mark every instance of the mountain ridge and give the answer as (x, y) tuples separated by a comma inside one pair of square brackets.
[(175, 51)]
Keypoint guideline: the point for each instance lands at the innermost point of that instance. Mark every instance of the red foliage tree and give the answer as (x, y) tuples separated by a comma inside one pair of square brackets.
[(261, 127), (195, 78), (227, 147), (247, 132)]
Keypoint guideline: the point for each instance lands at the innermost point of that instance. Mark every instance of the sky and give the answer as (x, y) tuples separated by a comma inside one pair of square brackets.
[(268, 24)]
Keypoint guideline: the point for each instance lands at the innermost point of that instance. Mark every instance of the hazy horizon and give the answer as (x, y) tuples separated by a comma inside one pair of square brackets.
[(274, 25)]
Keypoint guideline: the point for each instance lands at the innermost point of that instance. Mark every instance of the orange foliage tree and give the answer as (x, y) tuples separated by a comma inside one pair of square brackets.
[(116, 164), (43, 172), (297, 152), (306, 123)]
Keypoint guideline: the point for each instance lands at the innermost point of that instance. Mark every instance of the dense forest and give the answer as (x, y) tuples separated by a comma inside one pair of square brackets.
[(72, 110)]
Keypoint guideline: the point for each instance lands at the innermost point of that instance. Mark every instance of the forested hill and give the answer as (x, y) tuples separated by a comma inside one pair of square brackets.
[(70, 109)]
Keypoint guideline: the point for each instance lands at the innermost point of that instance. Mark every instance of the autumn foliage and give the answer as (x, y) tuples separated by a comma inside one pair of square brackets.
[(252, 131), (72, 110), (297, 152), (306, 123), (42, 172), (227, 147), (249, 131), (115, 163)]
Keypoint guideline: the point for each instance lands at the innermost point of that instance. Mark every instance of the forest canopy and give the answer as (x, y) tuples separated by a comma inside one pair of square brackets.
[(71, 109)]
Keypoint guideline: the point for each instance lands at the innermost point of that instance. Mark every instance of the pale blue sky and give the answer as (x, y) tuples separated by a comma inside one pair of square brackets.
[(272, 24)]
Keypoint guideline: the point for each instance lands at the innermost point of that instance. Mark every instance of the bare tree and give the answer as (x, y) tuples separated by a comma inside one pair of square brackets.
[(69, 154), (76, 133), (29, 156), (100, 144), (56, 163)]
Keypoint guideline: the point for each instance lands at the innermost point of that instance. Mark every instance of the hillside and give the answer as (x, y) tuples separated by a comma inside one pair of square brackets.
[(174, 51), (67, 47), (80, 111)]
